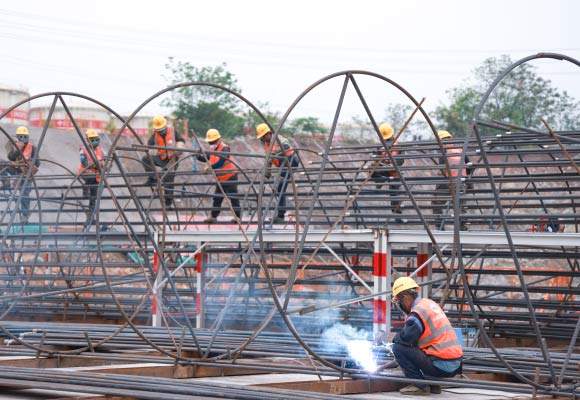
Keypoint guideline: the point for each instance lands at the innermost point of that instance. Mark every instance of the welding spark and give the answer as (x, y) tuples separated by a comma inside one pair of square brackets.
[(362, 352)]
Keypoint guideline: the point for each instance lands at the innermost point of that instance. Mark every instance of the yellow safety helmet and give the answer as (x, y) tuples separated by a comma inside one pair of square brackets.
[(403, 283), (444, 135), (262, 130), (159, 122), (212, 135), (386, 130), (22, 131), (91, 134)]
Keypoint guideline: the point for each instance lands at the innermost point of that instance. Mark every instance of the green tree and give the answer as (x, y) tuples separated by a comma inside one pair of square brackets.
[(522, 98), (397, 114), (306, 125), (203, 106)]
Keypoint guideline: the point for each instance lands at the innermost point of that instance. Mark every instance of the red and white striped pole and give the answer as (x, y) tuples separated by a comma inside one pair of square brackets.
[(382, 278), (426, 272), (156, 295), (200, 259)]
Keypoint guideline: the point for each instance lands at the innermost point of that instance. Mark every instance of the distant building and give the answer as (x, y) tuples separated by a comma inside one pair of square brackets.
[(85, 117), (8, 98), (140, 124)]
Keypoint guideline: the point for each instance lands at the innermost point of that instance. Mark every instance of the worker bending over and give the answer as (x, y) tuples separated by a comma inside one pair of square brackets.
[(453, 153), (284, 157), (382, 170), (163, 138), (23, 157), (226, 172), (427, 346), (89, 171)]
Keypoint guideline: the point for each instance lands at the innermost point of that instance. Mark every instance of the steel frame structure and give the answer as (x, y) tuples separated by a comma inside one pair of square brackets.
[(519, 177)]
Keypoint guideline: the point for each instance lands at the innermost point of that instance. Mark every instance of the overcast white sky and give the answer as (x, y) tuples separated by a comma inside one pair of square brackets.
[(115, 51)]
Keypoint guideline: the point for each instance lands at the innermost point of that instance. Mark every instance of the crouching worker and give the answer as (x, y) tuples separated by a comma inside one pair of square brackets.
[(285, 158), (427, 346), (225, 170), (382, 170), (23, 158), (163, 138), (89, 171)]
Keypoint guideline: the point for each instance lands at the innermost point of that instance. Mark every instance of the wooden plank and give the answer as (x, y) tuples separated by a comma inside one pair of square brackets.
[(140, 369)]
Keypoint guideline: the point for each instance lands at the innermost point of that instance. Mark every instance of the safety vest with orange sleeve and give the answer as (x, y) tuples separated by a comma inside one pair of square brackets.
[(167, 140), (92, 165), (228, 170), (284, 149), (25, 150), (454, 155), (438, 338)]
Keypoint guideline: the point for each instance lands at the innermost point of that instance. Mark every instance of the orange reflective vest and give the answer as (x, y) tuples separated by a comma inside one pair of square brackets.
[(438, 338), (92, 168), (454, 155), (167, 140), (285, 150), (25, 150), (228, 170)]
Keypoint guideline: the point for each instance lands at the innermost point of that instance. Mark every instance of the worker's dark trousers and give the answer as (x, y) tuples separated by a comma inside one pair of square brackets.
[(418, 365), (168, 176), (230, 188), (445, 206), (381, 178), (25, 186), (284, 179), (90, 190)]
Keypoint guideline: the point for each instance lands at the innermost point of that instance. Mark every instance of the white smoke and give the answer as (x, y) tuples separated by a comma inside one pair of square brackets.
[(355, 341)]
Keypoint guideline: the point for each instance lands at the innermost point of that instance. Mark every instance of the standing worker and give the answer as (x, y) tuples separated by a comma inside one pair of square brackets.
[(89, 170), (23, 157), (453, 154), (163, 138), (226, 173), (284, 157), (382, 170), (427, 346)]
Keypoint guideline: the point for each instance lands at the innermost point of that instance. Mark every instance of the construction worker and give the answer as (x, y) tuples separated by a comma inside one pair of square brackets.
[(162, 138), (89, 171), (427, 346), (22, 157), (382, 170), (453, 154), (226, 173), (284, 157)]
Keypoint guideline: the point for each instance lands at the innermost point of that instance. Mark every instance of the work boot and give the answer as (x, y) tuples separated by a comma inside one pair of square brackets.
[(278, 220), (435, 389), (413, 390), (210, 220)]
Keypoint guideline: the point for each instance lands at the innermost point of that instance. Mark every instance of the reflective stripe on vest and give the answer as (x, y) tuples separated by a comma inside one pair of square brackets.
[(25, 150), (438, 338), (454, 155), (276, 150), (228, 170), (92, 168), (167, 140)]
